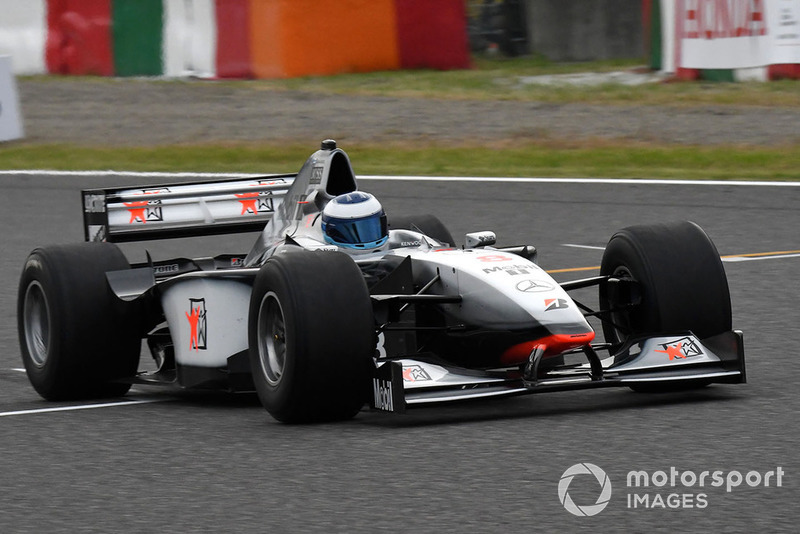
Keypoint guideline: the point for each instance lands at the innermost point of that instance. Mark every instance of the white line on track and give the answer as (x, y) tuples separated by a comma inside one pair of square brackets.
[(730, 259), (19, 370), (80, 407), (213, 175), (613, 181), (133, 174), (735, 259), (583, 246)]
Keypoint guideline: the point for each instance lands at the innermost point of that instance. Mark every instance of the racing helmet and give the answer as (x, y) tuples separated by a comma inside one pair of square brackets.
[(355, 221)]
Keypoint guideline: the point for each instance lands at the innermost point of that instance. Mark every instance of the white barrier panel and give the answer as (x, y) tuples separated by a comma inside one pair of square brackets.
[(10, 118), (784, 22), (732, 34), (23, 32), (190, 38), (668, 48)]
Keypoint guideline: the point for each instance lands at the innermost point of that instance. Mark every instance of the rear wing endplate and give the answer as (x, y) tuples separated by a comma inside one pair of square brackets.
[(182, 210)]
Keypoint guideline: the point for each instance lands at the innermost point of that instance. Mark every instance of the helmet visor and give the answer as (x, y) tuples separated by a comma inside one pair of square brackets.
[(366, 231)]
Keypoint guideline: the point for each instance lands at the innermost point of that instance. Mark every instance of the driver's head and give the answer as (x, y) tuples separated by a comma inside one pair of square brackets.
[(356, 221)]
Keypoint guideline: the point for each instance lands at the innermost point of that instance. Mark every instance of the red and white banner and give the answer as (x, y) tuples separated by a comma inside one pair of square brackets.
[(736, 34)]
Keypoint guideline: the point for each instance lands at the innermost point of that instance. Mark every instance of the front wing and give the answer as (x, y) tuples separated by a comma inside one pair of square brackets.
[(668, 360)]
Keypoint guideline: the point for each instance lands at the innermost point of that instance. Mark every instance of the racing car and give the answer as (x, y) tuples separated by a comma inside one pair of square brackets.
[(337, 305)]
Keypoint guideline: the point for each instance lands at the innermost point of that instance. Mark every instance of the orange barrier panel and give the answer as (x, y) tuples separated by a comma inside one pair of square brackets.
[(291, 38), (266, 56), (432, 34), (79, 37)]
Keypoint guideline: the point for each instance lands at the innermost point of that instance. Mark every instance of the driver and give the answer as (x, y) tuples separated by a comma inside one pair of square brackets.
[(355, 222)]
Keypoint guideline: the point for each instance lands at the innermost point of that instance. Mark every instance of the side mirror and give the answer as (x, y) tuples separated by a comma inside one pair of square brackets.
[(480, 239)]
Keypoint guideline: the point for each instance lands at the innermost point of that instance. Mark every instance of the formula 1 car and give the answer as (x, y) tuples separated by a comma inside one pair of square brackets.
[(319, 328)]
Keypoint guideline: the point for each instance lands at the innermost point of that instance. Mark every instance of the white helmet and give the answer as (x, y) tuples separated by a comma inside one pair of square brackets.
[(356, 221)]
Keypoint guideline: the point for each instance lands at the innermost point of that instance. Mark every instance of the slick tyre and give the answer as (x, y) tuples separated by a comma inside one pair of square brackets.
[(681, 280), (77, 339), (429, 225), (311, 337)]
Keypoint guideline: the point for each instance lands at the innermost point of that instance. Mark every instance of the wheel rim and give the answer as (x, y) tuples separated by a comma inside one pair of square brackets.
[(36, 321), (271, 338), (620, 320)]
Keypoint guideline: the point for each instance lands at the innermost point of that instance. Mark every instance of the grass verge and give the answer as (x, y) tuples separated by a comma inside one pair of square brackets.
[(553, 159)]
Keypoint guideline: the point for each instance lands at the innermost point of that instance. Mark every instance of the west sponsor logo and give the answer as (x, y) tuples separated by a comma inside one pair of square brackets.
[(144, 211), (253, 203), (198, 324), (681, 349), (415, 373), (258, 201)]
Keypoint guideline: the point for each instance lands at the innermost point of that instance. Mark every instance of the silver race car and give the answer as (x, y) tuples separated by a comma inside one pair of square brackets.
[(336, 307)]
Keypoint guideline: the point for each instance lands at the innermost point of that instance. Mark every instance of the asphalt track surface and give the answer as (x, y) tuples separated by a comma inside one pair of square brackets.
[(216, 463)]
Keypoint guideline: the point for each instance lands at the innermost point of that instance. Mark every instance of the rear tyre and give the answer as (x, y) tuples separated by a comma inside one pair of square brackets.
[(430, 225), (77, 339), (311, 337), (682, 282)]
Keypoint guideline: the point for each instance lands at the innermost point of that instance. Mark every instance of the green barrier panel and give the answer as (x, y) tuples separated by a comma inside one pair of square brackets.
[(717, 75), (655, 35), (137, 28)]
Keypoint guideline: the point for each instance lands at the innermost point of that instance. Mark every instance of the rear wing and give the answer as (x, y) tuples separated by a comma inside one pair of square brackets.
[(182, 210)]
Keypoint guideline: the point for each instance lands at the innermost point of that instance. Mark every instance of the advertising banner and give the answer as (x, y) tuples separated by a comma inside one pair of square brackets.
[(784, 22), (736, 34)]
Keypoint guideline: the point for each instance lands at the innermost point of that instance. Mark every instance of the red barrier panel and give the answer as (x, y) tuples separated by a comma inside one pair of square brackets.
[(688, 75), (432, 34), (79, 37), (784, 71), (233, 39), (647, 24)]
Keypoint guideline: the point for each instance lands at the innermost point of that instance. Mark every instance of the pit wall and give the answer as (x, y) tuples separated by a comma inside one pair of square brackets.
[(724, 40), (231, 38)]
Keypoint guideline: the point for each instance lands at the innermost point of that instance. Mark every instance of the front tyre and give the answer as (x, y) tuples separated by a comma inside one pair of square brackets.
[(77, 339), (311, 336), (681, 280)]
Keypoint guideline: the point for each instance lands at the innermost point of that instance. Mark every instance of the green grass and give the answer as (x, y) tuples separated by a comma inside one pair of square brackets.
[(598, 159)]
